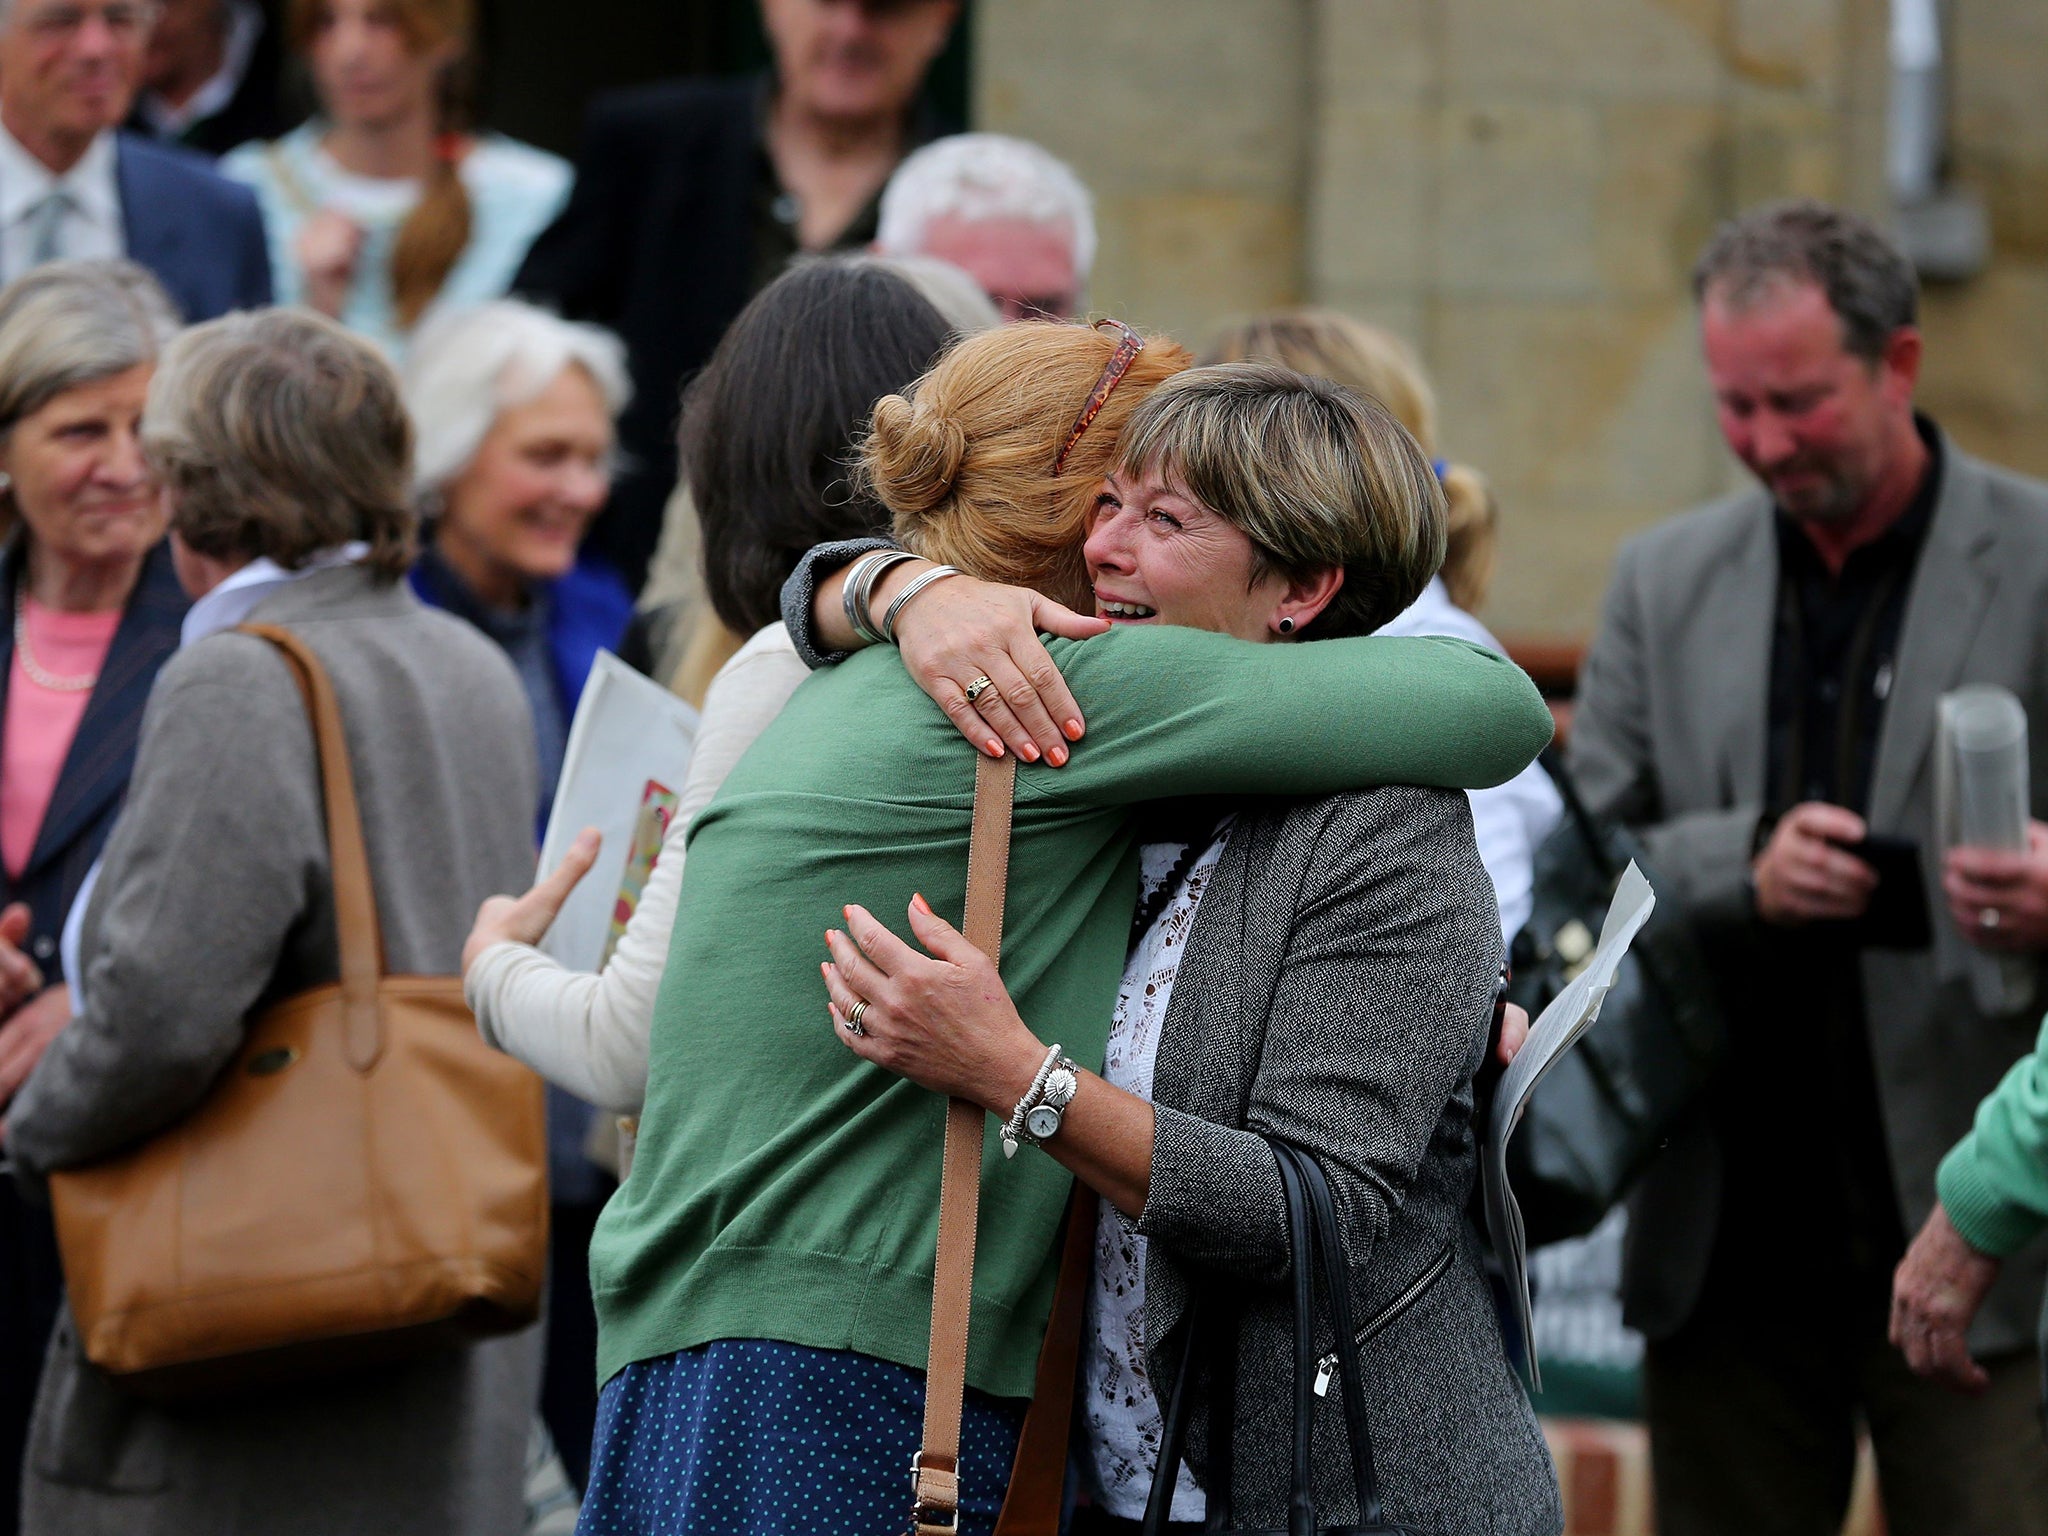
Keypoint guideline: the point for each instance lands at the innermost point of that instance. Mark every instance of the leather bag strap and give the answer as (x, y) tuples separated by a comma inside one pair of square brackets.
[(1038, 1473), (935, 1469), (355, 899)]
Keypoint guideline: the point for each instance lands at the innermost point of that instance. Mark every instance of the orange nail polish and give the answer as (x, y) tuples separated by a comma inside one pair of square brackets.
[(1057, 757), (1029, 752), (1073, 730), (994, 748), (920, 903)]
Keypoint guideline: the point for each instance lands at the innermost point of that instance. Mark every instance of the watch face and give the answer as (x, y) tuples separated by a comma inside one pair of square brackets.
[(1043, 1121)]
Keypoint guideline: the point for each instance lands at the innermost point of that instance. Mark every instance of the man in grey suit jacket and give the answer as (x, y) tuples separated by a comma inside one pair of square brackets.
[(1760, 699)]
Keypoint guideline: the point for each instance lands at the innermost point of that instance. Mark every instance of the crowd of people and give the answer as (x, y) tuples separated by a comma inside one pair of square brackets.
[(789, 397)]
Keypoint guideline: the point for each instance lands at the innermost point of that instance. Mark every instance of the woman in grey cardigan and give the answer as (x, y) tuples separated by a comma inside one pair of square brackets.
[(284, 449), (1321, 972)]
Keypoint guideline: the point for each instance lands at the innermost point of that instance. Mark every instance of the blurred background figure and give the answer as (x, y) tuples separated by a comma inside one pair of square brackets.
[(284, 452), (1512, 820), (212, 76), (72, 186), (692, 195), (95, 608), (1760, 703), (514, 410), (678, 636), (1011, 215), (384, 204)]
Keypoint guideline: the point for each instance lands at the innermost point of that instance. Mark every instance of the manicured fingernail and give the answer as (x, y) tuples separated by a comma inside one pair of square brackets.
[(1073, 730), (1029, 752), (1057, 757), (920, 903), (993, 747)]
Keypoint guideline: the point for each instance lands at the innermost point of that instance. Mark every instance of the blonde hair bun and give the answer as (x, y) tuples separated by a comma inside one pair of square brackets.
[(914, 456)]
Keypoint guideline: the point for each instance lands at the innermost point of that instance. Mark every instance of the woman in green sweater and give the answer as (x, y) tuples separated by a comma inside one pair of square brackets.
[(1993, 1189), (763, 1279)]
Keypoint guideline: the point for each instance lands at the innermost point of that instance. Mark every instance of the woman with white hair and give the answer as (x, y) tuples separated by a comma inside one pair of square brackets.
[(515, 411)]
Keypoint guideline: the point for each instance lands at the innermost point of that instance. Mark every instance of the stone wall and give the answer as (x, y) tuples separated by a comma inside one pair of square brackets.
[(1520, 188)]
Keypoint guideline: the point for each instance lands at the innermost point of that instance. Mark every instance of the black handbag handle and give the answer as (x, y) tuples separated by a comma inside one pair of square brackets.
[(1322, 1207), (1314, 1244), (1581, 814)]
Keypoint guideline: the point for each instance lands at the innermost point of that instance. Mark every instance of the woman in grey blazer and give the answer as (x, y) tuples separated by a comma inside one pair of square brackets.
[(283, 448), (1320, 972)]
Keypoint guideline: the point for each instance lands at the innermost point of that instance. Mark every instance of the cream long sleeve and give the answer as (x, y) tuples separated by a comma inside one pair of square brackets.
[(587, 1032)]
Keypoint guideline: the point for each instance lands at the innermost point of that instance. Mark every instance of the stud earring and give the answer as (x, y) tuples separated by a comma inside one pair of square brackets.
[(1286, 626)]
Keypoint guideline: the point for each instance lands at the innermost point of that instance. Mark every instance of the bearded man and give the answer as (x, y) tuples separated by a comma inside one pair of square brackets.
[(1761, 702)]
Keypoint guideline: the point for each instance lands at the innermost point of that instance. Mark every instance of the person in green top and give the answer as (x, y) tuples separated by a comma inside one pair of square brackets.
[(764, 1275), (1993, 1189)]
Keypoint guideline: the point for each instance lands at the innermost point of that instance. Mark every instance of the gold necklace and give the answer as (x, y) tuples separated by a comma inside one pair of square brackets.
[(36, 674)]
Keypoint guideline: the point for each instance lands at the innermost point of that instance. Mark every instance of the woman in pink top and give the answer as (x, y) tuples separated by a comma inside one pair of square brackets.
[(92, 609)]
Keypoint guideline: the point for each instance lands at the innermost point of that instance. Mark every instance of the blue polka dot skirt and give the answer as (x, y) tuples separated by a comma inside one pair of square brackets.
[(748, 1436)]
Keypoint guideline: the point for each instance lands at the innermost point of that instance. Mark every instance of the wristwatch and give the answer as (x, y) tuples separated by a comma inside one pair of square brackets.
[(1039, 1114)]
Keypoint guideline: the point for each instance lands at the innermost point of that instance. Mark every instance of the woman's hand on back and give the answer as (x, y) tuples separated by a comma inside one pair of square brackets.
[(958, 630), (943, 1019)]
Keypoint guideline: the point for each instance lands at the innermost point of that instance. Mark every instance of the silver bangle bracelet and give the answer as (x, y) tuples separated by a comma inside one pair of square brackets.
[(915, 585), (1039, 1113), (1016, 1121), (857, 592)]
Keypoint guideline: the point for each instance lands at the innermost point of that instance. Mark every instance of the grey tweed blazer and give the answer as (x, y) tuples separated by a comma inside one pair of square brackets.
[(1336, 991)]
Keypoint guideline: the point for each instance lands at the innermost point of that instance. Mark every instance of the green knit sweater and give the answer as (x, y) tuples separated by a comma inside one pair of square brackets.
[(785, 1189), (1994, 1182)]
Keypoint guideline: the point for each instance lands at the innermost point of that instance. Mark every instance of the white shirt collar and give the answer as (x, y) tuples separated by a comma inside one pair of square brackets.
[(236, 598), (24, 181), (245, 26)]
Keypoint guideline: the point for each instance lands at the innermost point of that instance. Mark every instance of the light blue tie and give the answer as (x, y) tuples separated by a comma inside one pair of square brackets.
[(45, 219)]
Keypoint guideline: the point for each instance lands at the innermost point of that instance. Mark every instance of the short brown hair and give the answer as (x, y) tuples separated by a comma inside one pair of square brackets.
[(1869, 283), (963, 460), (279, 434), (1376, 363), (1314, 475)]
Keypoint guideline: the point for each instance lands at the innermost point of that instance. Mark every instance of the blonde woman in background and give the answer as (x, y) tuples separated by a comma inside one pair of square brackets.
[(382, 205), (1512, 820)]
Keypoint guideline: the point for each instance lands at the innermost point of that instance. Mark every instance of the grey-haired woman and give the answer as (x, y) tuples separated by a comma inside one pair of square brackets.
[(284, 451), (92, 610)]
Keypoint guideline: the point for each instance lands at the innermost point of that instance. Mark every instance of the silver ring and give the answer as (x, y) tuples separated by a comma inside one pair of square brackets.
[(978, 687), (1988, 918), (853, 1024)]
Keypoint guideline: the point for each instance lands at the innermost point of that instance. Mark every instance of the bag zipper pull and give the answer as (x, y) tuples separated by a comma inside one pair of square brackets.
[(1325, 1369)]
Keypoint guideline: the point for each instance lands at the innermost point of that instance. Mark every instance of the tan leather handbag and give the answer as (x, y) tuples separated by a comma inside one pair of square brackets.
[(367, 1178)]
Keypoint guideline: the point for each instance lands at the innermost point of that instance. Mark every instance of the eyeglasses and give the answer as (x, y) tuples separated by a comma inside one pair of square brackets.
[(1120, 362), (126, 19)]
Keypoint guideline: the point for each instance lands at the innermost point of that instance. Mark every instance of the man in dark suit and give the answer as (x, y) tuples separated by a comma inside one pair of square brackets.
[(72, 186), (1761, 702), (691, 195), (212, 78)]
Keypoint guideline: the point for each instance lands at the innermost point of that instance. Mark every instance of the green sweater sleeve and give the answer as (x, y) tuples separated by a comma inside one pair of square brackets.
[(1994, 1182), (1175, 712)]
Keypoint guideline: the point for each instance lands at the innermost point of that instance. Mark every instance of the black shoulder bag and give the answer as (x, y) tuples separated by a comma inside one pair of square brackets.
[(1313, 1240), (1609, 1103)]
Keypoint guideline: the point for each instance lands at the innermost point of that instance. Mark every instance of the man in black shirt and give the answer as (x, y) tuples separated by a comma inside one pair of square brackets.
[(691, 195), (1761, 702)]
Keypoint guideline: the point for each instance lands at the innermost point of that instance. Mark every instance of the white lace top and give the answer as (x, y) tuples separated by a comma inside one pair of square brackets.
[(1121, 1413)]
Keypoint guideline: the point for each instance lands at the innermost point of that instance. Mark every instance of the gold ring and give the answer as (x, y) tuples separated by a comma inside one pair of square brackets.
[(978, 687), (853, 1024)]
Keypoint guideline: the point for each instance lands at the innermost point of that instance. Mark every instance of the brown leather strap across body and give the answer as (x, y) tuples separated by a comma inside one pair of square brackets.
[(1038, 1472), (365, 1179)]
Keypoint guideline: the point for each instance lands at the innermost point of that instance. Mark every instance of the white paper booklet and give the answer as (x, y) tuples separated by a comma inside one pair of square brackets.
[(1570, 1014), (629, 747)]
